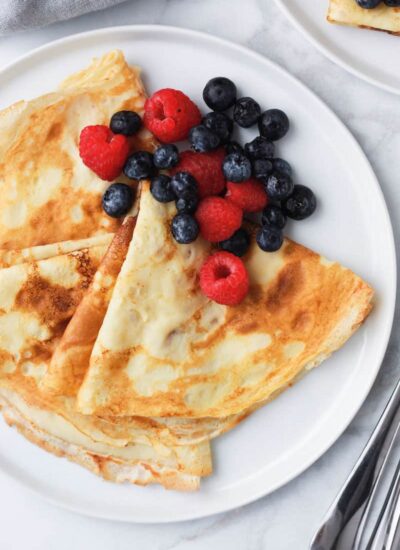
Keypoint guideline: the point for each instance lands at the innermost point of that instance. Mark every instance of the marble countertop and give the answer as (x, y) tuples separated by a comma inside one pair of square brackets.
[(286, 519)]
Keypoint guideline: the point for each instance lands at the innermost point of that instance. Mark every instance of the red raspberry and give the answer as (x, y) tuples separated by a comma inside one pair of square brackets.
[(249, 195), (169, 114), (224, 279), (102, 151), (218, 218), (206, 168)]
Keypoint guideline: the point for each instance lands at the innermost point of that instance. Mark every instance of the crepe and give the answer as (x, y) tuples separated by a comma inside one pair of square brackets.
[(381, 18), (37, 299), (184, 355), (48, 194), (71, 358)]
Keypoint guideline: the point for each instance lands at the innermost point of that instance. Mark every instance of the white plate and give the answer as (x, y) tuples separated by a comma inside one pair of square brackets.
[(351, 225), (370, 55)]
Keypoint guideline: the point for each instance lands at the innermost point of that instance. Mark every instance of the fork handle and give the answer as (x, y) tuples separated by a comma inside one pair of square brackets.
[(360, 483)]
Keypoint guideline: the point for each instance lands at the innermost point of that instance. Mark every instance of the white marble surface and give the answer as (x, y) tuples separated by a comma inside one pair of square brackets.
[(286, 519)]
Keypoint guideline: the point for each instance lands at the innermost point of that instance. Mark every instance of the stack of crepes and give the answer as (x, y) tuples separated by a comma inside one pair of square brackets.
[(380, 18), (110, 354)]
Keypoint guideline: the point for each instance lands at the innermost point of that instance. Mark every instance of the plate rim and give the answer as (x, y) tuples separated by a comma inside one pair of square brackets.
[(314, 456), (332, 56)]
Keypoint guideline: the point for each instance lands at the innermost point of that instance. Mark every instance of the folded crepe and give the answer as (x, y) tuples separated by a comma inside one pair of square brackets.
[(381, 18), (164, 349), (37, 299), (48, 194), (70, 362)]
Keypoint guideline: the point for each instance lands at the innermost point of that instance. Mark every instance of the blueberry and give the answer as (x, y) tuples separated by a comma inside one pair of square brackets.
[(139, 165), (238, 244), (202, 139), (260, 148), (219, 93), (166, 156), (301, 204), (368, 4), (392, 3), (246, 112), (185, 228), (262, 168), (279, 186), (161, 188), (236, 167), (273, 215), (183, 182), (234, 147), (117, 200), (187, 202), (273, 124), (220, 124), (125, 122), (269, 238), (283, 166)]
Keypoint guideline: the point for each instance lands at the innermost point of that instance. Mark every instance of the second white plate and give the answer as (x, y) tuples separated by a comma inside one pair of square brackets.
[(370, 55), (288, 435)]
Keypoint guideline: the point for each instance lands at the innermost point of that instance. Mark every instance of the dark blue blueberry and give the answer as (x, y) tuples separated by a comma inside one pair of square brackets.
[(234, 147), (185, 228), (117, 200), (125, 122), (269, 238), (187, 203), (301, 203), (183, 182), (259, 148), (246, 112), (139, 166), (262, 168), (273, 215), (238, 244), (166, 156), (283, 166), (279, 186), (236, 167), (202, 139), (273, 124), (220, 124), (368, 4), (219, 93), (392, 3), (161, 188)]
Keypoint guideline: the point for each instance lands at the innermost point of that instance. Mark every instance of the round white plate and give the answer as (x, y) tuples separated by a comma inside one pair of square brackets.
[(281, 440), (370, 55)]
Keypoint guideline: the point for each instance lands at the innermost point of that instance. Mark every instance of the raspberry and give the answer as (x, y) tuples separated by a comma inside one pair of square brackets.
[(224, 279), (218, 218), (250, 195), (170, 114), (102, 151), (206, 168)]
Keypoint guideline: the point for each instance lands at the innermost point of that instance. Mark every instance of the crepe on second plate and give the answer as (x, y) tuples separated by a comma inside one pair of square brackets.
[(48, 194), (37, 299), (165, 350), (348, 12)]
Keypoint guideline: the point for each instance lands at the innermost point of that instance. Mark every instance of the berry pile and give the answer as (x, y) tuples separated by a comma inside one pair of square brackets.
[(214, 184)]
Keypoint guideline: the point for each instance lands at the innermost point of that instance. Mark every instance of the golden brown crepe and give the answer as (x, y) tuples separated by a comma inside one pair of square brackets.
[(381, 18), (48, 194), (37, 299), (187, 356), (70, 361)]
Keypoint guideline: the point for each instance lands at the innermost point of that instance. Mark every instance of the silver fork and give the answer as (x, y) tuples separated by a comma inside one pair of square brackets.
[(357, 495)]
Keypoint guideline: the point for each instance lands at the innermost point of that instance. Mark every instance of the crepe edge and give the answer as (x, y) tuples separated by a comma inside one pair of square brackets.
[(110, 469)]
